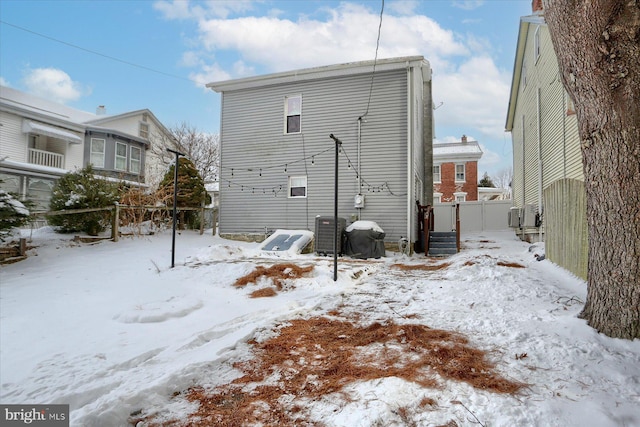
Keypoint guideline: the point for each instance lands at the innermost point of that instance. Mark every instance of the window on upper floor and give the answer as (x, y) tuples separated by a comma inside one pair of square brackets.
[(297, 186), (437, 176), (460, 175), (121, 157), (144, 130), (96, 156), (536, 45), (523, 75), (135, 159), (292, 114)]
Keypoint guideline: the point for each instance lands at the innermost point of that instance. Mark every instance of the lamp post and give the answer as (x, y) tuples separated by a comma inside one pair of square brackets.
[(175, 204), (335, 211)]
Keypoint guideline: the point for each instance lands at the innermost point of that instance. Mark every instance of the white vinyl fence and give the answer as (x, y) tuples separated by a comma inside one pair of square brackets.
[(474, 216)]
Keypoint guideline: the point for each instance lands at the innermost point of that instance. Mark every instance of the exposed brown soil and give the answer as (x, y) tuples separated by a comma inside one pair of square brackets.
[(313, 358), (510, 264), (422, 267), (278, 273)]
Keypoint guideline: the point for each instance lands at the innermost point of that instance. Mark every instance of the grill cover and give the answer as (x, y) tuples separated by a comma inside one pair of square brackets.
[(364, 243)]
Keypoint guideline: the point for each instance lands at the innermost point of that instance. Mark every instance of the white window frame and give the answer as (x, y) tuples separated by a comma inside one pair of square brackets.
[(439, 174), (297, 182), (437, 198), (460, 197), (296, 112), (143, 130), (464, 172), (134, 164), (119, 157), (524, 74), (93, 154)]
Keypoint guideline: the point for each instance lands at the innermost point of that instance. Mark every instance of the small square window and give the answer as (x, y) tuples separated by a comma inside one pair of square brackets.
[(297, 186), (292, 114)]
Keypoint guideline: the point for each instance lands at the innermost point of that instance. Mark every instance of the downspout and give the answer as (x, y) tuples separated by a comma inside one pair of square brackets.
[(524, 175), (359, 168), (410, 90), (539, 130)]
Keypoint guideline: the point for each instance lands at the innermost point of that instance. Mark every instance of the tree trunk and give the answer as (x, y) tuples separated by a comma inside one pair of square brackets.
[(598, 47)]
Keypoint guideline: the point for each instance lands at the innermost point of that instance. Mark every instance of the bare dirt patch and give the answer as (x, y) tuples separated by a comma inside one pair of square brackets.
[(278, 274), (510, 264), (421, 267), (313, 358)]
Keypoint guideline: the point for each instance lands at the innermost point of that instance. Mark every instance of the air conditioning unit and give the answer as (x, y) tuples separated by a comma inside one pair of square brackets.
[(514, 217), (530, 216), (324, 235)]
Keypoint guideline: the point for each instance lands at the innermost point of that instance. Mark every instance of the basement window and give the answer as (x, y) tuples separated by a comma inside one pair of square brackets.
[(292, 114)]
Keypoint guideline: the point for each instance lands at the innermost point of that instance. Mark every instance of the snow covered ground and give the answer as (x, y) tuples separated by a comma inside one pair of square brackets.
[(111, 330)]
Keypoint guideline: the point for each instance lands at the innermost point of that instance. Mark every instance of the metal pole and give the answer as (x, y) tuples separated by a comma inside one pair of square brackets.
[(335, 211), (175, 204)]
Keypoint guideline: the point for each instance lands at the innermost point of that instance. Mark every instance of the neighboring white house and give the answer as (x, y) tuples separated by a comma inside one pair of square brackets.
[(548, 182), (41, 140), (277, 157)]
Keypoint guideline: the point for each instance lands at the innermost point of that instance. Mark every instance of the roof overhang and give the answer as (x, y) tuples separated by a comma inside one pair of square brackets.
[(352, 68), (29, 126), (523, 33)]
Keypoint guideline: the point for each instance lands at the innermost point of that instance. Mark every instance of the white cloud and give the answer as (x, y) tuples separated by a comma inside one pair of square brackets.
[(403, 7), (54, 84), (348, 34), (475, 95), (3, 82), (210, 73)]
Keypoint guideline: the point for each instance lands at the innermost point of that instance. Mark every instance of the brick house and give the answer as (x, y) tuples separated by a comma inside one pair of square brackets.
[(455, 171)]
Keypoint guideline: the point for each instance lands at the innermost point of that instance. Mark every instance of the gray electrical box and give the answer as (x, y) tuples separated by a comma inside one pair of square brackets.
[(324, 235)]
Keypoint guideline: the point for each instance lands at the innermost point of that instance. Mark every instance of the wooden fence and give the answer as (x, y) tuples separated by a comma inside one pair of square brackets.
[(565, 219), (117, 210)]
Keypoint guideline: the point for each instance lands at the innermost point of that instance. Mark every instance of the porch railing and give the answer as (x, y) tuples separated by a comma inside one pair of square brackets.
[(46, 158)]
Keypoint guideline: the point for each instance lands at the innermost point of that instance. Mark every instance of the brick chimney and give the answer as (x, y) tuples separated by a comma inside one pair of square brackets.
[(464, 139), (536, 6)]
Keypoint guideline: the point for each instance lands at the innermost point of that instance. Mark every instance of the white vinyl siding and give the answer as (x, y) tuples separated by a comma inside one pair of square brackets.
[(97, 152), (383, 154)]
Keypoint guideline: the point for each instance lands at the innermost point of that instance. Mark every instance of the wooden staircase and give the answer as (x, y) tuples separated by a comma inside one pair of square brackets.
[(442, 243)]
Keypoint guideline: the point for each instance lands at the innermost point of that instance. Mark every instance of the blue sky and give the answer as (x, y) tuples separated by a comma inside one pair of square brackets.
[(129, 55)]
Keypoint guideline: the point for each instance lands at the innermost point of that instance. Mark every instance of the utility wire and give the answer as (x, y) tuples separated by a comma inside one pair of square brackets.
[(375, 59), (113, 58)]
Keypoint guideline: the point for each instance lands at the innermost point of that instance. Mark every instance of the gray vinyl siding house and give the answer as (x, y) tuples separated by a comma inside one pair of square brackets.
[(277, 159)]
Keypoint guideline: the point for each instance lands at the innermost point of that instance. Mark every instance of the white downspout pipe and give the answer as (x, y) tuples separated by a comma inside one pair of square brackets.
[(359, 167), (410, 94), (539, 126)]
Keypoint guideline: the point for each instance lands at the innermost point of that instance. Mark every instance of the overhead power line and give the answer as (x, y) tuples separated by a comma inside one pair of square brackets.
[(375, 59), (113, 58)]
